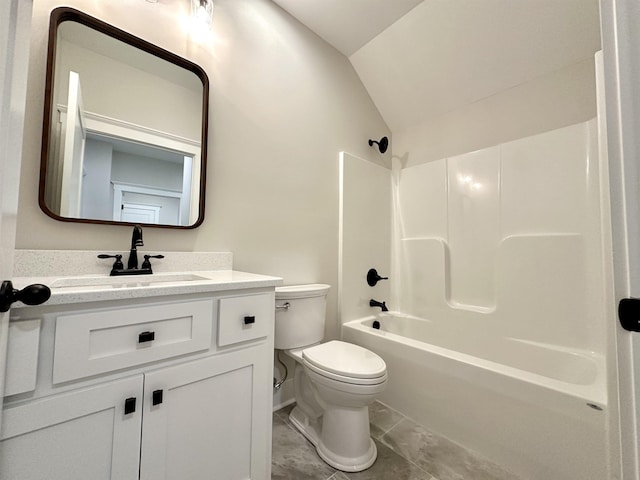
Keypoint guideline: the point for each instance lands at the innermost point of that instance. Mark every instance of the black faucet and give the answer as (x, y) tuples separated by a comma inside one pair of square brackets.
[(132, 264), (136, 241), (375, 303)]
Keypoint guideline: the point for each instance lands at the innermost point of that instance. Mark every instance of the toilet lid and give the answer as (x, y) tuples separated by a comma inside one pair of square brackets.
[(345, 359)]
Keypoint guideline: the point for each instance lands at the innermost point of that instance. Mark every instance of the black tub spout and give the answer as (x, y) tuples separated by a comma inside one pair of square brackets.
[(375, 303)]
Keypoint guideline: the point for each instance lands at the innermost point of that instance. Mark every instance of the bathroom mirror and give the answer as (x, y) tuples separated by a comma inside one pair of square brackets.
[(125, 128)]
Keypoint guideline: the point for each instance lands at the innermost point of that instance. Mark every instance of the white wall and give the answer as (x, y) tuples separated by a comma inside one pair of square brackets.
[(445, 55), (283, 104), (365, 235), (97, 192), (146, 171), (134, 95), (562, 98)]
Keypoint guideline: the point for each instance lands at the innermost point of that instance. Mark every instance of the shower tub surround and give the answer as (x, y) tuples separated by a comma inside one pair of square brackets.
[(499, 272)]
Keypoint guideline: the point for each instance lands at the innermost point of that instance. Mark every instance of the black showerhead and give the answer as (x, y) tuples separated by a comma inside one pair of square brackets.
[(382, 144)]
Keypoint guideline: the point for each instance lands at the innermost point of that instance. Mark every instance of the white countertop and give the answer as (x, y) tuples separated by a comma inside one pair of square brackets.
[(96, 288)]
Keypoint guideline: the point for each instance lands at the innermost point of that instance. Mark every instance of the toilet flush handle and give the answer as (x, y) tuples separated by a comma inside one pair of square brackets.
[(285, 306)]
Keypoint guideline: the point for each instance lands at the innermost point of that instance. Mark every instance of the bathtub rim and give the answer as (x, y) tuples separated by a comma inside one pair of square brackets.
[(591, 394)]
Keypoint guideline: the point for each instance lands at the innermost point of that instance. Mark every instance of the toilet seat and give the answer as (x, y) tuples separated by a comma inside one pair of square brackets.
[(346, 380), (346, 363)]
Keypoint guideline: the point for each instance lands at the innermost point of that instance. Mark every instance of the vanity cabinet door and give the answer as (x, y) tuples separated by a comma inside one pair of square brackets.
[(79, 435), (213, 420)]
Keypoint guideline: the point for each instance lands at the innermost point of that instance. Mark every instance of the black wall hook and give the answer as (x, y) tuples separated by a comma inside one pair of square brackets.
[(383, 144)]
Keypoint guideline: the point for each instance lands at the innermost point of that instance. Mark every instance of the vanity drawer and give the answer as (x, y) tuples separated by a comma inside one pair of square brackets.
[(96, 342), (245, 318)]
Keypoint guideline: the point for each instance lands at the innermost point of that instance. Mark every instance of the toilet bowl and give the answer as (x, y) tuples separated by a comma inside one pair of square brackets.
[(334, 382)]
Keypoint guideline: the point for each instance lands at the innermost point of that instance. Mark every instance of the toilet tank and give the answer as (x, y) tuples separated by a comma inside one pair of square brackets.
[(302, 322)]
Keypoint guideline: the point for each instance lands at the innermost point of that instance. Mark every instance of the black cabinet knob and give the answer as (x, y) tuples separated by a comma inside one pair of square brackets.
[(249, 319), (156, 397)]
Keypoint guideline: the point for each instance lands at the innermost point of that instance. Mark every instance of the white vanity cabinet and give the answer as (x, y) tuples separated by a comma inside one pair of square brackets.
[(174, 388), (81, 434), (210, 420)]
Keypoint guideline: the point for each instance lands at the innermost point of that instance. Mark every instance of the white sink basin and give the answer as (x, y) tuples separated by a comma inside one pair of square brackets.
[(124, 281)]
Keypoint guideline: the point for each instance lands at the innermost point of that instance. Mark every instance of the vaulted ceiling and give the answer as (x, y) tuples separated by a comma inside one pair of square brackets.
[(422, 58), (347, 24)]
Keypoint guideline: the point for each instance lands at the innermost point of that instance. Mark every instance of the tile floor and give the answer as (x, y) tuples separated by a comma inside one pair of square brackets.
[(406, 451)]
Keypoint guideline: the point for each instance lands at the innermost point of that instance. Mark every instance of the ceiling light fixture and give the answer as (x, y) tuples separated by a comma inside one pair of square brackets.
[(202, 11)]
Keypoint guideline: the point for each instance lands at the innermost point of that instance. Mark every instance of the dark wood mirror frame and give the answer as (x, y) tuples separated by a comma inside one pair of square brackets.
[(62, 14)]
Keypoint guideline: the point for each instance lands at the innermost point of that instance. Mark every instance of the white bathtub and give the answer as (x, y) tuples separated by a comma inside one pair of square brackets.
[(539, 410)]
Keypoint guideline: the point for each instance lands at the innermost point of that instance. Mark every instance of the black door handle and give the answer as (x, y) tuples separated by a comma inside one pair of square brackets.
[(629, 314), (31, 295)]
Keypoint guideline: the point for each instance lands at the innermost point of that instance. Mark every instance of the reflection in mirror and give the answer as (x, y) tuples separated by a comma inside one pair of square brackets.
[(125, 128)]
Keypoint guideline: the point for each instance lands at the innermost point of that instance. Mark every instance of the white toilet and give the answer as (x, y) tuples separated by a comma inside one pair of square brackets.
[(334, 382)]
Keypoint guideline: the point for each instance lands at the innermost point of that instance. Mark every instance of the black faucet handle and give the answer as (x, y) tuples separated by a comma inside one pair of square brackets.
[(147, 263), (373, 277), (117, 265)]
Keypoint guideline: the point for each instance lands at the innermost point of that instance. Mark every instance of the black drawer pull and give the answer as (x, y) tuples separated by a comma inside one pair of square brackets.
[(129, 405), (248, 320), (156, 397), (146, 337)]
